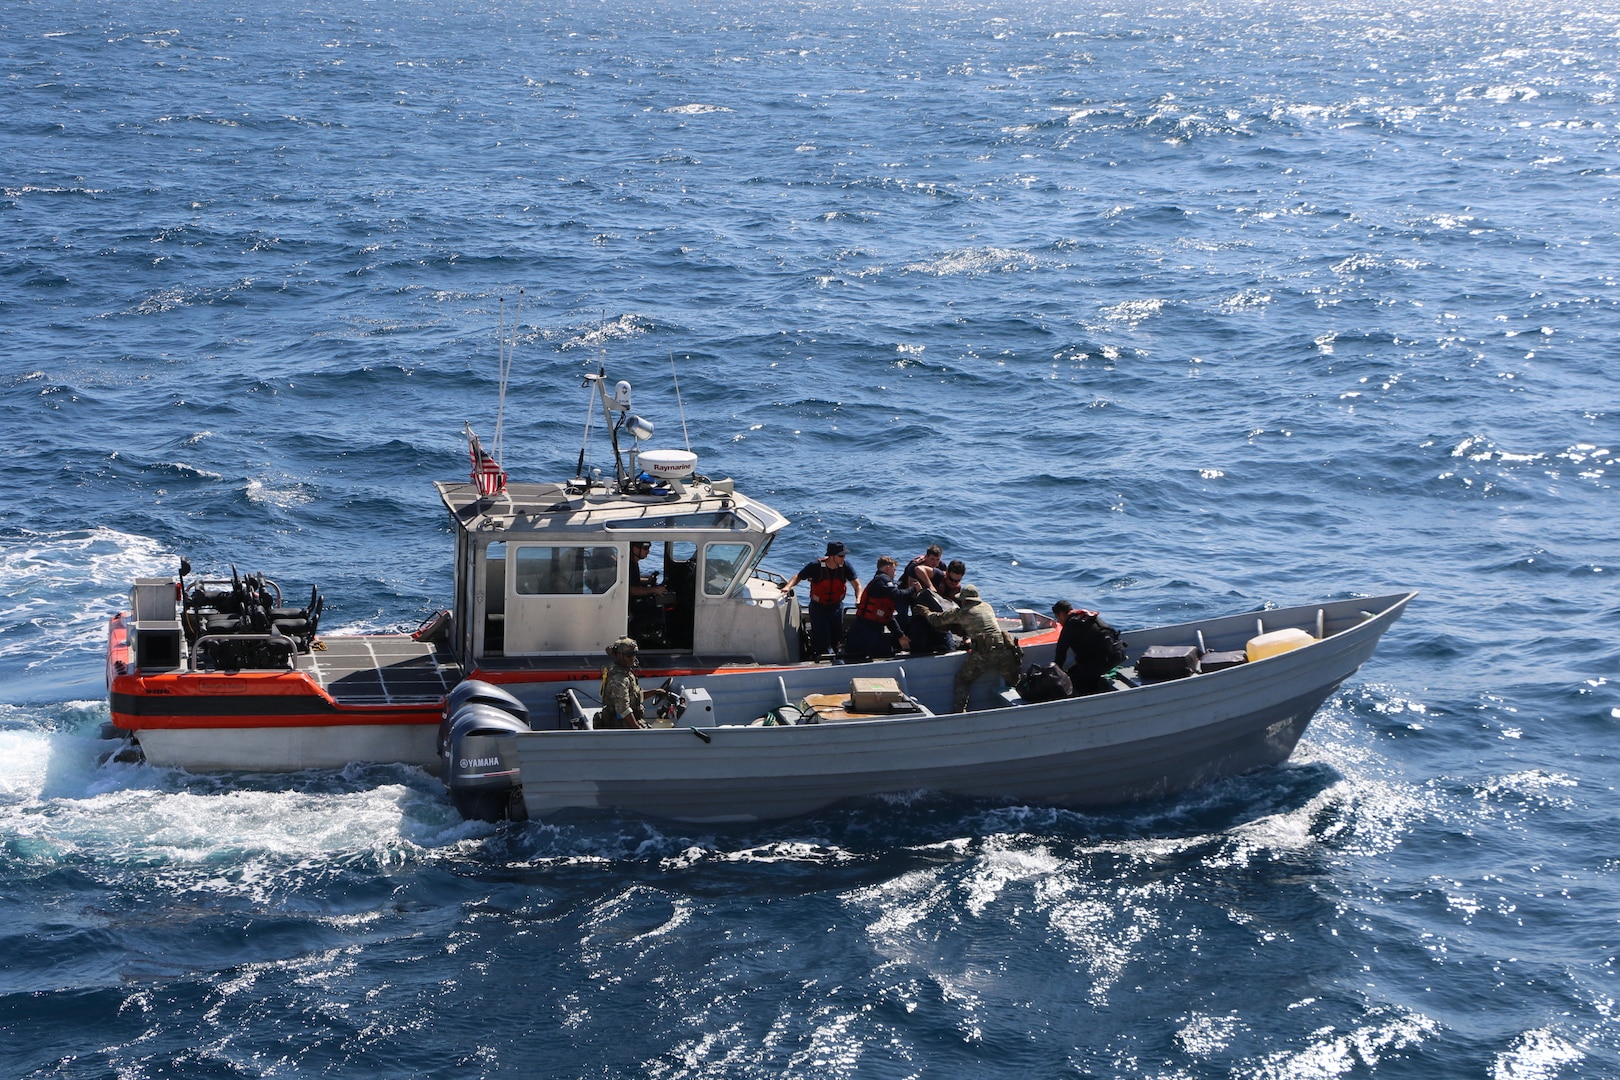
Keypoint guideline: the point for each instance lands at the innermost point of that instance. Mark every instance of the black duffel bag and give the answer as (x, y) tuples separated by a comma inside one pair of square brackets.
[(1044, 682)]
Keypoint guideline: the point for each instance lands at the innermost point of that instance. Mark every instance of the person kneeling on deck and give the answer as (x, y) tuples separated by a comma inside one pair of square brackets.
[(623, 705), (1095, 644), (994, 650)]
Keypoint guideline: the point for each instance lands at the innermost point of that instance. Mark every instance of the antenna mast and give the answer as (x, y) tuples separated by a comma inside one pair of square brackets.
[(505, 351), (678, 405), (592, 382)]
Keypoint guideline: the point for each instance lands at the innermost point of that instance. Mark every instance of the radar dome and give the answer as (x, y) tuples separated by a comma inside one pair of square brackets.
[(667, 464)]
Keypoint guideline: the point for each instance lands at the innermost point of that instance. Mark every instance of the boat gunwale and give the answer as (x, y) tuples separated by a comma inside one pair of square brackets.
[(1120, 707)]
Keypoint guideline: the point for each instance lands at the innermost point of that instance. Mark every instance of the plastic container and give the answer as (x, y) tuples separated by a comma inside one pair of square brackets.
[(1276, 642)]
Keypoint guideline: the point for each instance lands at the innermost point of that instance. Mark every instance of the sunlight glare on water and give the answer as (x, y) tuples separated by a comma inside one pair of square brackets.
[(1170, 311)]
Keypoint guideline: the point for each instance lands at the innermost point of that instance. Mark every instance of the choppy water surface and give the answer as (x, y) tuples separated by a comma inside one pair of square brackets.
[(1166, 310)]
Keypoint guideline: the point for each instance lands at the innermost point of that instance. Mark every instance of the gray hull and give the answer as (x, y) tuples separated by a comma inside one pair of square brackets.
[(1124, 746)]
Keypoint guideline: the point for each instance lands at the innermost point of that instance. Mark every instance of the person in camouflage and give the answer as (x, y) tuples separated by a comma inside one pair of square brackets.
[(994, 650), (623, 705)]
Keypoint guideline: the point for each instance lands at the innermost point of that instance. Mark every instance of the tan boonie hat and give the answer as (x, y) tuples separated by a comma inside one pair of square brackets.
[(970, 595)]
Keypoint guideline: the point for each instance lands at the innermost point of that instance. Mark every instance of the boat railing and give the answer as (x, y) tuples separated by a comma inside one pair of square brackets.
[(574, 713), (1321, 626), (247, 606), (244, 652), (764, 601)]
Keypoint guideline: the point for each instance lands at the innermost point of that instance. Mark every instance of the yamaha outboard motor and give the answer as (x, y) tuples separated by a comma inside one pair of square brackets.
[(480, 767), (476, 691)]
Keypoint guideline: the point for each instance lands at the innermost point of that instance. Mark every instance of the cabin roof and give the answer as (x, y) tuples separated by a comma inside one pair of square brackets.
[(537, 509)]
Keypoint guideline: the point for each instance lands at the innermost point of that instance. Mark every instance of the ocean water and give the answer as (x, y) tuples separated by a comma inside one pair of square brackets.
[(1170, 310)]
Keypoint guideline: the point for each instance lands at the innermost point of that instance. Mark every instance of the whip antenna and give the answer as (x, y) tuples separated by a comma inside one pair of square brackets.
[(500, 378), (500, 368), (592, 382), (506, 350), (679, 407)]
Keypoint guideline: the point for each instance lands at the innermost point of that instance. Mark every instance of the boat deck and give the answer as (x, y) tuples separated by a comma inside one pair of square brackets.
[(652, 660), (381, 669)]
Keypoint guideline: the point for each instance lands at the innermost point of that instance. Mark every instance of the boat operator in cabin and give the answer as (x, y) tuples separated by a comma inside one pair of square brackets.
[(646, 597), (994, 651), (643, 584), (624, 704)]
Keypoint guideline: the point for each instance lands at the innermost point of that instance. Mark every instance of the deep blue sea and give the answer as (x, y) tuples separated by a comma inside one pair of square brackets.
[(1169, 309)]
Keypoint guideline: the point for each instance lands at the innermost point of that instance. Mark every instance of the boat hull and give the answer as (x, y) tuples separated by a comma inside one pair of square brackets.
[(373, 698), (1142, 743), (284, 748), (365, 698)]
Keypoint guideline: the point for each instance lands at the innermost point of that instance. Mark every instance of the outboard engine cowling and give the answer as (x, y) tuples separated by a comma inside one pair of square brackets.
[(483, 693), (480, 767)]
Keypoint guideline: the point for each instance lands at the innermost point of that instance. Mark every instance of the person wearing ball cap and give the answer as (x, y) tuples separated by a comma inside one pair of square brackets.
[(830, 578)]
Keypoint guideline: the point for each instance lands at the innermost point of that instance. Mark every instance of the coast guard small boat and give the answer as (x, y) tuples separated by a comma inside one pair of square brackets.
[(500, 690)]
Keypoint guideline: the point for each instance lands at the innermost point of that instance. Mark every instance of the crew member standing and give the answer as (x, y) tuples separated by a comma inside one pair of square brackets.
[(830, 578), (623, 704), (647, 598)]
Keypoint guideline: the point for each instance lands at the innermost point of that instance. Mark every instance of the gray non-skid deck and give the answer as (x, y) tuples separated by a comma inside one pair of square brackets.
[(381, 669)]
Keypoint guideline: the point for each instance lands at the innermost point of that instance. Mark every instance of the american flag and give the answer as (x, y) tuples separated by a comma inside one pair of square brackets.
[(486, 471)]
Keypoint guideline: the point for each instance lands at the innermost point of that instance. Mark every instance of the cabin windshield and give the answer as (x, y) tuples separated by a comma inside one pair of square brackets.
[(720, 519), (723, 564)]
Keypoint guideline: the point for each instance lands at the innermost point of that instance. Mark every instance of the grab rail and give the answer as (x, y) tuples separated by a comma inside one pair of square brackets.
[(250, 652)]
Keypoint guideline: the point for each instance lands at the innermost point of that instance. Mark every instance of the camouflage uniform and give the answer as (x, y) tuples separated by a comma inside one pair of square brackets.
[(993, 649), (622, 703)]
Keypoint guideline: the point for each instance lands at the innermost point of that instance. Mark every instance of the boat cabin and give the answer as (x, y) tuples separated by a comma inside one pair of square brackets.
[(562, 570)]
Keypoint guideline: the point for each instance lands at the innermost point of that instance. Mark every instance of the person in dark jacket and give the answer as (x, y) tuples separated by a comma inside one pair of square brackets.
[(1095, 644), (945, 583), (876, 631)]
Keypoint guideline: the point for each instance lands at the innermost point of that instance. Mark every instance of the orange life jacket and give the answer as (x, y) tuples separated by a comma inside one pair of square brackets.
[(831, 587), (878, 609)]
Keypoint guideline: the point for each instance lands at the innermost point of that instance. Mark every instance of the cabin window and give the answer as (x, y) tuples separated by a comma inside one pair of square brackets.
[(723, 564), (565, 570)]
